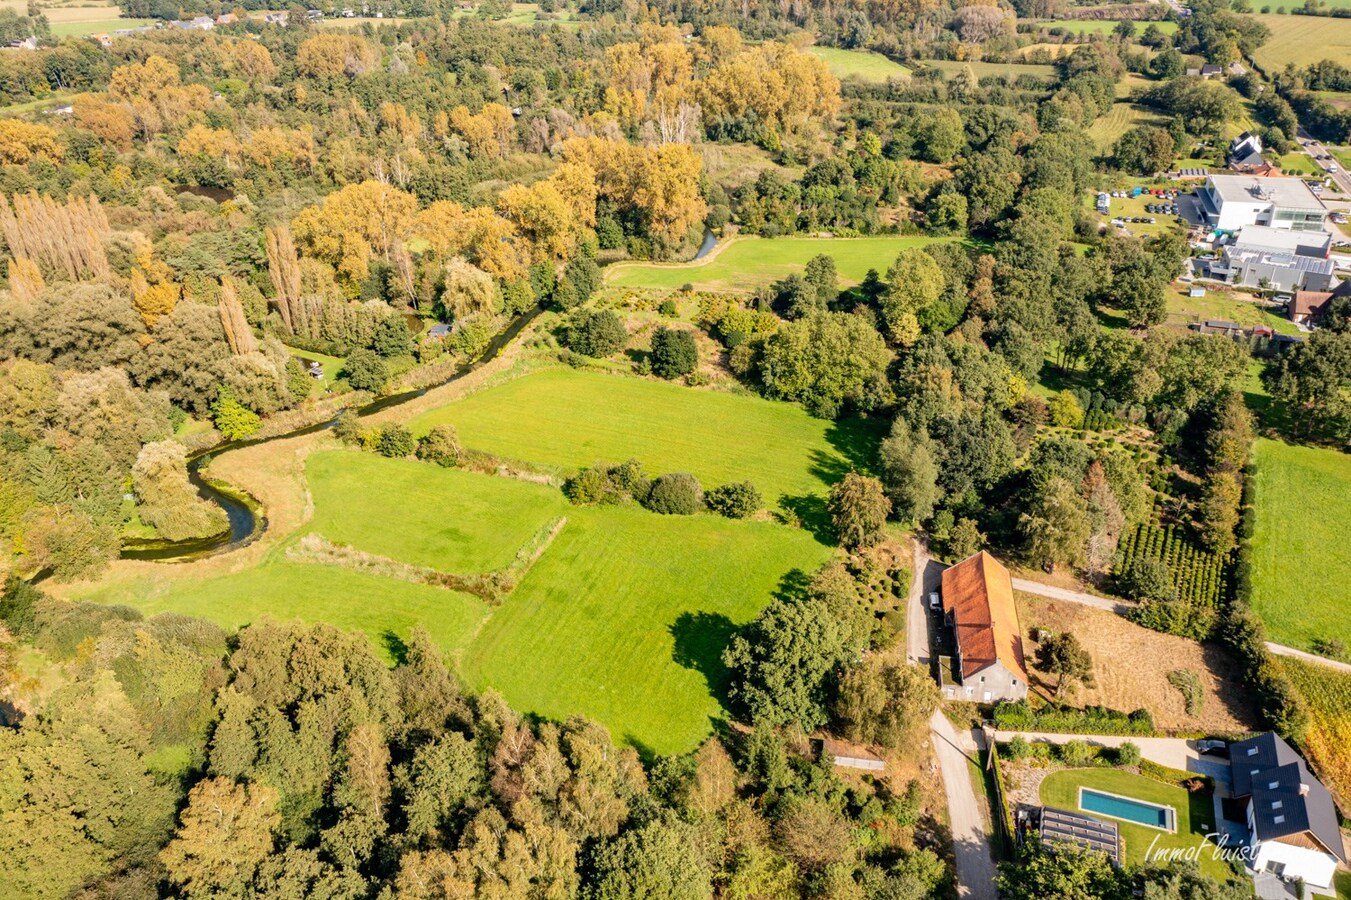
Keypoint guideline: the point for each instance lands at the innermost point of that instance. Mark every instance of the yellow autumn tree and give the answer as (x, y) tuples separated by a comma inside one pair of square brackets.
[(113, 122), (25, 279), (479, 235), (661, 183), (21, 142), (334, 55), (353, 224), (487, 132)]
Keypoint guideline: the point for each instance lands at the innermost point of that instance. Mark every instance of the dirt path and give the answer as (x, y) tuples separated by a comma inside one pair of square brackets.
[(1055, 593), (1281, 650), (970, 831)]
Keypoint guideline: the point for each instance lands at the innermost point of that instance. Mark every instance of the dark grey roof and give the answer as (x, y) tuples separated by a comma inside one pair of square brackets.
[(1248, 157), (1268, 770)]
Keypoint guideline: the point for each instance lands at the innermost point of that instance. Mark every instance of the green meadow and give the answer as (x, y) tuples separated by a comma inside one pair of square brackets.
[(1301, 559), (746, 263), (623, 616), (863, 64), (566, 419)]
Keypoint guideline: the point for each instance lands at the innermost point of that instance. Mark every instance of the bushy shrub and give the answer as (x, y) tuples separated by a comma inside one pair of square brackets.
[(675, 494), (1076, 753), (1019, 716), (608, 484), (441, 445), (735, 501), (595, 333), (365, 371), (1188, 683), (395, 441), (673, 352), (1128, 754)]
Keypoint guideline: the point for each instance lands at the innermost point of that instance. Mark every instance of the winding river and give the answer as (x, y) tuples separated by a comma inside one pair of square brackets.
[(244, 513)]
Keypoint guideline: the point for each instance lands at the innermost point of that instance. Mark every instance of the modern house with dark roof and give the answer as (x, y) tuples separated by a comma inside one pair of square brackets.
[(1291, 816), (978, 605), (1245, 155)]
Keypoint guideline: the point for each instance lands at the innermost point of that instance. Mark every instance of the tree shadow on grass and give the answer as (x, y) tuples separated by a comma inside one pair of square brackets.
[(857, 440), (793, 585), (811, 513), (394, 646), (700, 638)]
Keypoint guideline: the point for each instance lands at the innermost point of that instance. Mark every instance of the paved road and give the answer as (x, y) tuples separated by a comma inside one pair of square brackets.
[(970, 831), (1316, 151), (1055, 593)]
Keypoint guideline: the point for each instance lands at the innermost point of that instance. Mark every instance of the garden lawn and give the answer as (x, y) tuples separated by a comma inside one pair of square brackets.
[(445, 519), (624, 620), (746, 263), (863, 64), (1123, 116), (1195, 812), (567, 419), (1185, 310), (1301, 559)]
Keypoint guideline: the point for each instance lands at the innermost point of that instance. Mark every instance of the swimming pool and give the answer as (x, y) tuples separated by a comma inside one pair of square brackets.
[(1116, 806)]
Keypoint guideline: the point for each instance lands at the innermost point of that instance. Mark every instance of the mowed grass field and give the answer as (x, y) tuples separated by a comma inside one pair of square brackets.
[(864, 64), (1123, 116), (1104, 26), (1304, 39), (746, 263), (1185, 310), (567, 419), (981, 69), (622, 618), (625, 617), (1301, 558), (1195, 812)]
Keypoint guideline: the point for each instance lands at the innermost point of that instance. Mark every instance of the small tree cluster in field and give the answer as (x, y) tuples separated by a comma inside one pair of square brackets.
[(675, 494), (365, 371), (738, 500), (392, 440), (608, 485), (674, 352), (596, 333), (1188, 684), (441, 445)]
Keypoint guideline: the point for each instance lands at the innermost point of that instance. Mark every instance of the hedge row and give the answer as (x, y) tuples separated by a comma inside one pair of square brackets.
[(1019, 716)]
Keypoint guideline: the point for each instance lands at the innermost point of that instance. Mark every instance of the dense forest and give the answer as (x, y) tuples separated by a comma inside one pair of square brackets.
[(204, 210)]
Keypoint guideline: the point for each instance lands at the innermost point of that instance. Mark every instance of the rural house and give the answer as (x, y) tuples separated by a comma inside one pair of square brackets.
[(1291, 816), (1245, 155), (978, 605), (1308, 307)]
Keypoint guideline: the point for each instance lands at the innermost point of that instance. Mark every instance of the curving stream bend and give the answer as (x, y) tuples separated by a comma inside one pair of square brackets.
[(247, 523)]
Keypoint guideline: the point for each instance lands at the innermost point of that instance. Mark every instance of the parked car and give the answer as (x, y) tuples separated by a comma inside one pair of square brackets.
[(935, 602), (1213, 748)]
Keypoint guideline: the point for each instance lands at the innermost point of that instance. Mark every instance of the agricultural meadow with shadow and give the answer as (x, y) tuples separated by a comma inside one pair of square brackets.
[(613, 612)]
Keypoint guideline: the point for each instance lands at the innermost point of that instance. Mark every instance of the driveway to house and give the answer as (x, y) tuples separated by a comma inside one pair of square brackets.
[(927, 577), (970, 831), (1175, 753), (1116, 606)]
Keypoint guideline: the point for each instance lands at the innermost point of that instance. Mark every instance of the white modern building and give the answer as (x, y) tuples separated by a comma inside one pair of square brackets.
[(1231, 202), (1291, 816)]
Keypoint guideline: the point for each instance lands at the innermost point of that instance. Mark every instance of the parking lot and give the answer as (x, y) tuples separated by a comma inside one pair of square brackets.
[(1134, 213)]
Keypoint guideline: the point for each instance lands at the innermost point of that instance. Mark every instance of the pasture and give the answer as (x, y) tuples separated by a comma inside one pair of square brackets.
[(622, 617), (1301, 560), (566, 419), (1107, 130), (1103, 26), (1304, 39), (745, 263), (1195, 813), (1008, 71), (862, 64)]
